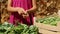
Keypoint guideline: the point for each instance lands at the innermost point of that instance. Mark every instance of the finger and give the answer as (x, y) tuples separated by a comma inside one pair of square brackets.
[(20, 13)]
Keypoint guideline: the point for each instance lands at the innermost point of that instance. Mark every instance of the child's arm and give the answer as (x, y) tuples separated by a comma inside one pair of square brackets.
[(12, 9), (34, 6), (9, 8)]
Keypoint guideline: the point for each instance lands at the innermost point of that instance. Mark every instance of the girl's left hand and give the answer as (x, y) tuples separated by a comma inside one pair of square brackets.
[(25, 15), (29, 11)]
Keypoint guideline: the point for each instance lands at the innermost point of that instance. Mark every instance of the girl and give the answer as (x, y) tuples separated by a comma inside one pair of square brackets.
[(20, 7)]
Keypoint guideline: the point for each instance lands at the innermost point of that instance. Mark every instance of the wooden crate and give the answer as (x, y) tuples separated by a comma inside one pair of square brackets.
[(48, 27)]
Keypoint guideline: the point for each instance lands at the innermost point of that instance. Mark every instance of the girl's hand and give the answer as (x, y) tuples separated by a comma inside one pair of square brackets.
[(29, 11), (25, 15), (21, 11)]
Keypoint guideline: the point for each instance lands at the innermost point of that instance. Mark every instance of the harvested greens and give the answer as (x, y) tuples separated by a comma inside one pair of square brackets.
[(49, 20), (7, 28)]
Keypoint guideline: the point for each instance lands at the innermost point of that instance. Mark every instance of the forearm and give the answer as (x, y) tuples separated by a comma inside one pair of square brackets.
[(32, 10), (34, 6), (13, 9)]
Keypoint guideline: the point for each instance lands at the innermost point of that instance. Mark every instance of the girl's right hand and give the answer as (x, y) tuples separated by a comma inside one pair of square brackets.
[(21, 11)]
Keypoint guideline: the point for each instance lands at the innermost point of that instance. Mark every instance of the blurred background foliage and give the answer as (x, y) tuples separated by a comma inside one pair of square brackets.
[(45, 8)]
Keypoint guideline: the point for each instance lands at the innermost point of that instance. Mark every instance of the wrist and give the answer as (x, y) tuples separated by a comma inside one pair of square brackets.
[(18, 8)]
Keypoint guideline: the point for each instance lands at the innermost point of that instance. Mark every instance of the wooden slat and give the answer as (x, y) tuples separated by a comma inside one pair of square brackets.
[(47, 27), (48, 32)]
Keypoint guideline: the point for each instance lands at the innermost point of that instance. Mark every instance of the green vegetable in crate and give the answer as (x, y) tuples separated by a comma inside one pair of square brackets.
[(45, 22), (49, 20), (41, 21), (54, 23), (58, 19)]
